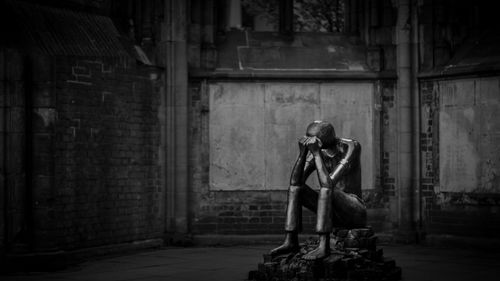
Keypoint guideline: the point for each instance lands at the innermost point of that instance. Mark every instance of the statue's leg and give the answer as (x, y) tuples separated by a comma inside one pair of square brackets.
[(325, 211), (323, 224), (335, 206), (298, 196), (349, 209)]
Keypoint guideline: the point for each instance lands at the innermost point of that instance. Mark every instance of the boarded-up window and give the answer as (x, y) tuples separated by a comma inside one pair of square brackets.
[(254, 128), (469, 135)]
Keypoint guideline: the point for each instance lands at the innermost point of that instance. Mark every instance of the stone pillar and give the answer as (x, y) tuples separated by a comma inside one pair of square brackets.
[(3, 148), (405, 130), (175, 117), (234, 16), (415, 64)]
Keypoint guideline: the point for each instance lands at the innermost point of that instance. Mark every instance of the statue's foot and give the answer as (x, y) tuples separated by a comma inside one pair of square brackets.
[(286, 248), (319, 253)]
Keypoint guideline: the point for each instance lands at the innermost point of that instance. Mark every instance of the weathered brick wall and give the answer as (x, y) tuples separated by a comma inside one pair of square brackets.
[(96, 155), (384, 204)]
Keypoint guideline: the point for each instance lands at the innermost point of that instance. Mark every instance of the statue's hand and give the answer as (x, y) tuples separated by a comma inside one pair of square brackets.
[(302, 144), (313, 144)]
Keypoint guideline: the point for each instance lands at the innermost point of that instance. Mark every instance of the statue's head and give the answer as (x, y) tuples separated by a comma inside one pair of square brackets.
[(324, 131)]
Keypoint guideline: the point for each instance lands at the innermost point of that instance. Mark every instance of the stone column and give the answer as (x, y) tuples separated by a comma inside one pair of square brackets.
[(175, 117), (405, 127), (234, 16), (3, 151), (415, 64)]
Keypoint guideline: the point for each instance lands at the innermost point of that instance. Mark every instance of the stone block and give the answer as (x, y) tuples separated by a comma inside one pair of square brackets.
[(342, 264), (342, 233), (364, 253), (362, 232)]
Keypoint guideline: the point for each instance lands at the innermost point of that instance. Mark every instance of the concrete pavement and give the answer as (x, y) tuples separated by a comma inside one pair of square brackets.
[(233, 263)]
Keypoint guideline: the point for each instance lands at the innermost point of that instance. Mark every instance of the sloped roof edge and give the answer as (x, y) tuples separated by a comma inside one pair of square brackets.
[(59, 32)]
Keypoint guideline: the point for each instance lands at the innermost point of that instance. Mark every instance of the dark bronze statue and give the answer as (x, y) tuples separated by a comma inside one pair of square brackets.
[(338, 202)]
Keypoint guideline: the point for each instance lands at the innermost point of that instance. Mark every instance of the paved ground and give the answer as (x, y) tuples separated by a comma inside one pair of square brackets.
[(233, 263)]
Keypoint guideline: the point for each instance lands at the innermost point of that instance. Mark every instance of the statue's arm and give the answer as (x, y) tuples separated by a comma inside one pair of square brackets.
[(297, 176), (314, 144), (353, 151), (309, 166)]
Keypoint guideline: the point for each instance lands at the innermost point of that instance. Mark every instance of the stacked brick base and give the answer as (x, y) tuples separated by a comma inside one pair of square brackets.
[(354, 256)]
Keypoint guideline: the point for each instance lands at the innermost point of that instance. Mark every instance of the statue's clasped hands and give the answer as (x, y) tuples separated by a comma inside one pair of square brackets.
[(313, 144)]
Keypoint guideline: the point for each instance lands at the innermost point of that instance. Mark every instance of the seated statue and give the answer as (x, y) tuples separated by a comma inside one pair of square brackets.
[(338, 202)]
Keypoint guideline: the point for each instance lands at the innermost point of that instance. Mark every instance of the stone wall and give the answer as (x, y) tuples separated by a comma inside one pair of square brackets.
[(244, 145), (459, 149), (254, 128)]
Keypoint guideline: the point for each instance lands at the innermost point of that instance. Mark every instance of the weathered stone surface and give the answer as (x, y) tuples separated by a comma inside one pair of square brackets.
[(468, 135), (267, 118), (346, 262)]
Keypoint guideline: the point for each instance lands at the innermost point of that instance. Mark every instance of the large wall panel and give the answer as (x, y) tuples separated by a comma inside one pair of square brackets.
[(254, 128), (469, 135)]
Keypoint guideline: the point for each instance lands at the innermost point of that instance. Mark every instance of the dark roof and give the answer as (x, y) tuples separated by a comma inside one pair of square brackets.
[(58, 32)]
